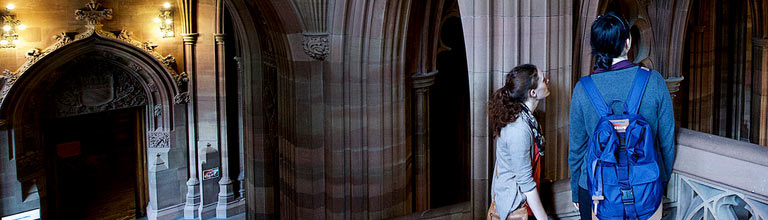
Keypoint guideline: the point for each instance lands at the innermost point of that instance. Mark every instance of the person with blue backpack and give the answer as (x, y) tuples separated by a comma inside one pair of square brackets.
[(621, 134)]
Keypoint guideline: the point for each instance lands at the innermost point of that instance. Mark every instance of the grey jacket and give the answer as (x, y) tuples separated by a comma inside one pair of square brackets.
[(512, 175)]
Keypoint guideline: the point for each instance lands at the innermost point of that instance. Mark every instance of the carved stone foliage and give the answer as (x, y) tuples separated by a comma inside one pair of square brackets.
[(94, 86), (182, 81), (159, 139), (699, 200), (181, 98), (316, 46), (93, 14)]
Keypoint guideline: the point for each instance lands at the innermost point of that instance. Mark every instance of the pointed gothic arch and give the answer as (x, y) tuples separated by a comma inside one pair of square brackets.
[(23, 91)]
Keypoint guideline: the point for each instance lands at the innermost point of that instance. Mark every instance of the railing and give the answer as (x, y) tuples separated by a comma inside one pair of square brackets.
[(714, 178)]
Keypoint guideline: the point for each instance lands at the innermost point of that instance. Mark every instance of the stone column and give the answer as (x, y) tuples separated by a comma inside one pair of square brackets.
[(421, 83), (226, 193), (673, 85), (241, 146), (759, 112), (192, 202)]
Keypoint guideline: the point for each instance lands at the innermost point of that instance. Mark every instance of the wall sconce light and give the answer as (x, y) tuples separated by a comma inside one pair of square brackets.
[(9, 37), (166, 20)]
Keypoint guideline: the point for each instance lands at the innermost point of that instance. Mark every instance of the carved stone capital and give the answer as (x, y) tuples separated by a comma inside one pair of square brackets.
[(673, 85), (219, 38), (190, 38), (423, 80), (316, 46)]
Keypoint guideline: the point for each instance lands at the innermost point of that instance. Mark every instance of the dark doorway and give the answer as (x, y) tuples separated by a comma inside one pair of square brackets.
[(449, 116), (96, 166)]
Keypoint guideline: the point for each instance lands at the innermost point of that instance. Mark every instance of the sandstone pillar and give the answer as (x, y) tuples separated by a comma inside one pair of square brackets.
[(226, 190), (421, 83), (759, 112), (193, 190)]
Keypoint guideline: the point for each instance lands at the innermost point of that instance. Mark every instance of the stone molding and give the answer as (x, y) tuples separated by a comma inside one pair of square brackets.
[(316, 46), (423, 80), (314, 14), (190, 38), (760, 42), (219, 38)]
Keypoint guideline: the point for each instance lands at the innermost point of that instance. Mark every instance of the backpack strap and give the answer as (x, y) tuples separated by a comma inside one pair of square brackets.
[(637, 90), (594, 96)]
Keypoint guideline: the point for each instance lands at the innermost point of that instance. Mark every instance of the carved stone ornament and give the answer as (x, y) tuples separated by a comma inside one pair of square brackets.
[(93, 14), (91, 87), (181, 80), (33, 53), (159, 139), (158, 111), (316, 46), (181, 98), (10, 78)]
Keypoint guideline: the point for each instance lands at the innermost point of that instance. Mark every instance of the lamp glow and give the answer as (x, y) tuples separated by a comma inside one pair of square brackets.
[(9, 36), (165, 19)]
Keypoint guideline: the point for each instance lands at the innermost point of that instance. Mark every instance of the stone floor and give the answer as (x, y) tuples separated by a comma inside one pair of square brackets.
[(236, 217)]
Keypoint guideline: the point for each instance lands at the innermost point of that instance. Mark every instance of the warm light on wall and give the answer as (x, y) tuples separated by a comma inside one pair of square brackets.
[(165, 19), (9, 37)]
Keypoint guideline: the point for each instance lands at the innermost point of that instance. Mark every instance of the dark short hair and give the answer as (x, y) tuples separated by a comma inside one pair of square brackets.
[(609, 32)]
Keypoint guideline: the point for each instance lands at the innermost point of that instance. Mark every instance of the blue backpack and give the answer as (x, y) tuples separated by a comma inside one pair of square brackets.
[(623, 175)]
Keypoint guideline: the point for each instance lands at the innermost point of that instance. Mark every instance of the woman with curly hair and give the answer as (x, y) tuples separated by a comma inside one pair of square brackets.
[(519, 143)]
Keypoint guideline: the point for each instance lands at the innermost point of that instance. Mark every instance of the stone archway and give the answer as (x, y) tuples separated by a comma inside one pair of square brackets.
[(156, 79), (90, 114), (257, 32)]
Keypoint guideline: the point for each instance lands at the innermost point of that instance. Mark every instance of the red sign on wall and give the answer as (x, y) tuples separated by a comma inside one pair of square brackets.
[(68, 149), (212, 173)]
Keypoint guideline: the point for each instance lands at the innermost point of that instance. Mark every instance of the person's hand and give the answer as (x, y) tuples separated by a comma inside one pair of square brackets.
[(576, 205)]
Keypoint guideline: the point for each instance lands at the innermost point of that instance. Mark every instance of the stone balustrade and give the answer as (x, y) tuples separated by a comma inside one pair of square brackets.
[(714, 178)]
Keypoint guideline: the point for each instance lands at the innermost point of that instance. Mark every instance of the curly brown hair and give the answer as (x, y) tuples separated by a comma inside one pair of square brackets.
[(507, 102)]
